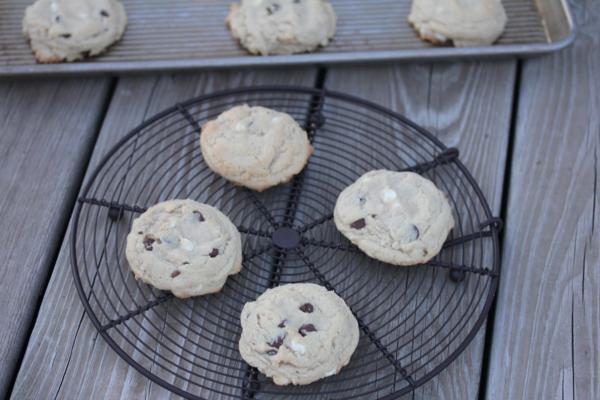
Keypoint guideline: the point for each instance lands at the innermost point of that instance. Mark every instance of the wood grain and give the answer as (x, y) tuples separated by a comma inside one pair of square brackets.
[(468, 106), (546, 342), (64, 339), (47, 130)]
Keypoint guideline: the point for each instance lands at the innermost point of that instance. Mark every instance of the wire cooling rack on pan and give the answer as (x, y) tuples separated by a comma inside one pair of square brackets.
[(414, 321)]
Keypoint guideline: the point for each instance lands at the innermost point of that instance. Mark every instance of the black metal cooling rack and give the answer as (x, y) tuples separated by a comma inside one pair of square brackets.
[(414, 320)]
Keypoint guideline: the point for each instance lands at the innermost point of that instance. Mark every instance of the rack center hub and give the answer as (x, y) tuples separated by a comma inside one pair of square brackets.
[(286, 238)]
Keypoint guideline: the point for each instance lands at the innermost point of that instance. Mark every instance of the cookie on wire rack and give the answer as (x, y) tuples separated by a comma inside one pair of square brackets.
[(183, 246), (298, 333), (255, 147), (396, 217)]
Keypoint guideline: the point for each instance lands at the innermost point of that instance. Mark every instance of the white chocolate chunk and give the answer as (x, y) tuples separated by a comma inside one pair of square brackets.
[(297, 347), (187, 245), (388, 195)]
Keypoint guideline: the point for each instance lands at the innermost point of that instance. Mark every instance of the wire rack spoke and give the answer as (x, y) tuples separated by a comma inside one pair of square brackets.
[(495, 224), (261, 207), (348, 247), (137, 311), (314, 121), (467, 238), (363, 326), (446, 157), (120, 207), (293, 200), (186, 114), (315, 223), (254, 232), (463, 268)]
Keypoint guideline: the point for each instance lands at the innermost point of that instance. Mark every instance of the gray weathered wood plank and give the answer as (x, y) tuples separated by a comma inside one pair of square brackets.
[(47, 130), (546, 341), (78, 364), (468, 106)]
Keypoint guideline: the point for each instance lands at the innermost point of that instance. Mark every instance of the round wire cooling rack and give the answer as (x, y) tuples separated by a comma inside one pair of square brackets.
[(414, 321)]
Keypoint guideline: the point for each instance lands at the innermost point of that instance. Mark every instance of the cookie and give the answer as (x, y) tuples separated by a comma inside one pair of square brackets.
[(397, 217), (464, 22), (282, 26), (255, 147), (69, 30), (298, 333), (184, 246)]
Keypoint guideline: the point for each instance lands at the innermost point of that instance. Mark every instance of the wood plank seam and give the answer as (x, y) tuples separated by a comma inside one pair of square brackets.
[(489, 329)]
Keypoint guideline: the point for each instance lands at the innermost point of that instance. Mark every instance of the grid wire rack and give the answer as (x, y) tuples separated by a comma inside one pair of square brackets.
[(414, 321)]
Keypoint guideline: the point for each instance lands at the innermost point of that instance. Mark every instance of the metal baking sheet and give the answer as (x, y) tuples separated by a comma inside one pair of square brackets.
[(191, 34)]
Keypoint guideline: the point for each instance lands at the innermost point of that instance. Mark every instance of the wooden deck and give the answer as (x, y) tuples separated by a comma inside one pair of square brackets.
[(529, 131)]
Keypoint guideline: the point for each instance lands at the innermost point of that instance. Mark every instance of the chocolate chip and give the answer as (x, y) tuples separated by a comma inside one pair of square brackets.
[(148, 241), (358, 224), (200, 216), (185, 263), (282, 324), (273, 8), (57, 18), (271, 352), (304, 329), (140, 232), (104, 13), (65, 35), (307, 308), (175, 274), (362, 200), (214, 253), (277, 342)]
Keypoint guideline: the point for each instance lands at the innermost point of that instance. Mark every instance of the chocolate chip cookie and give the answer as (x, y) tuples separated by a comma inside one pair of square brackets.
[(282, 26), (298, 333), (255, 147), (397, 217), (184, 246), (69, 30), (464, 22)]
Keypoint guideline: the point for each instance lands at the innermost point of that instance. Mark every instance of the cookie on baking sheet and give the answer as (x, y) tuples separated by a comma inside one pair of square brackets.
[(282, 26), (464, 22), (184, 246), (255, 147), (69, 30), (397, 217), (298, 333)]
